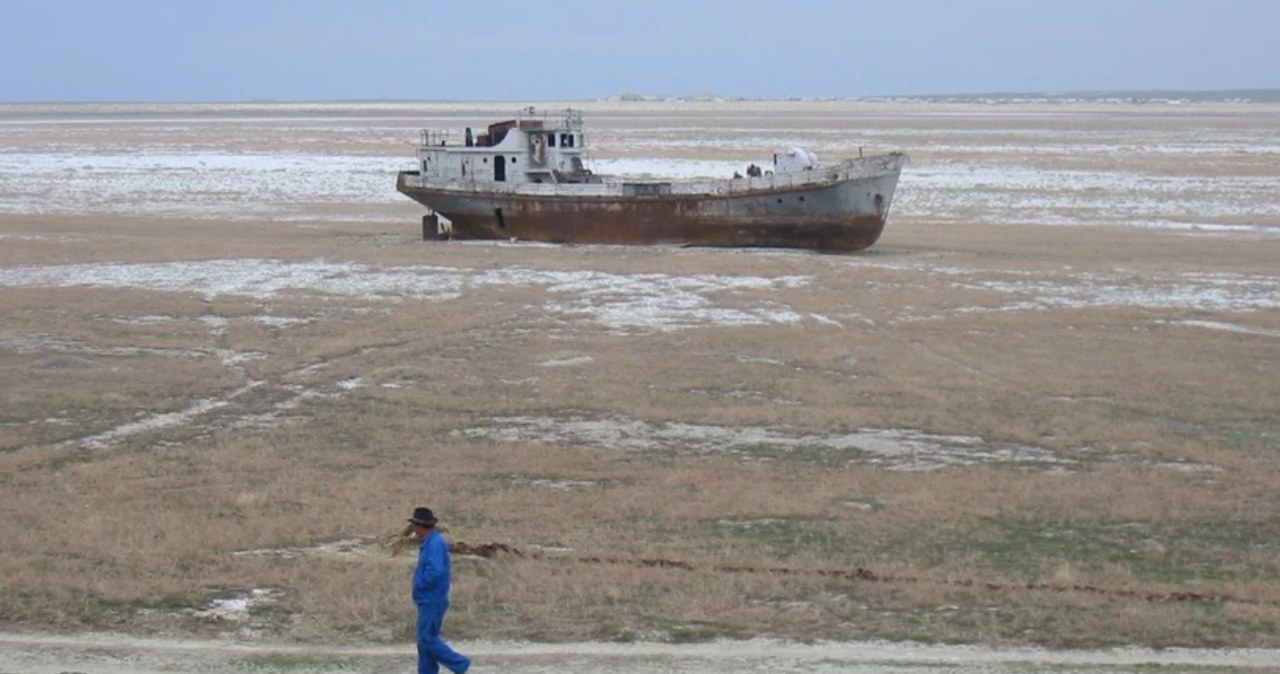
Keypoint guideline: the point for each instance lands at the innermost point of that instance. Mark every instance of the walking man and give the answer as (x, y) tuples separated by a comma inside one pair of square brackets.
[(431, 594)]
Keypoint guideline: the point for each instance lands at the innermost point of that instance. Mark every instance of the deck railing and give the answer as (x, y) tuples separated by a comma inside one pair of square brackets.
[(850, 169)]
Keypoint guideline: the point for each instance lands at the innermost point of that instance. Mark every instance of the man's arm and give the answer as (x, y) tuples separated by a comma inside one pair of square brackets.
[(431, 565)]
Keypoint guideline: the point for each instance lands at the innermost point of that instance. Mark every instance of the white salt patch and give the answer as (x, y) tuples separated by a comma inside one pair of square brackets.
[(236, 186), (233, 358), (236, 608), (52, 421), (893, 449), (1228, 327), (1221, 292), (523, 381), (43, 343), (751, 523), (559, 485), (280, 321), (159, 421), (352, 384), (348, 550), (312, 369), (1188, 466), (1064, 289), (1015, 194), (622, 303), (298, 396), (565, 362), (549, 549), (37, 237), (163, 320), (762, 360), (826, 320)]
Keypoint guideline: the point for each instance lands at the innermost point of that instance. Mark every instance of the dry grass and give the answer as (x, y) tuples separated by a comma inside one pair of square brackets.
[(134, 532), (1168, 432)]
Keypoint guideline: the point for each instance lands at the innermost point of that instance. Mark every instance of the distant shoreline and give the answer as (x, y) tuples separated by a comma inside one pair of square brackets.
[(1125, 96), (1110, 96)]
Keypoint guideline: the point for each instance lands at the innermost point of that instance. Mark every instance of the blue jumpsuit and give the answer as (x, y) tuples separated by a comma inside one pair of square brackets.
[(431, 594)]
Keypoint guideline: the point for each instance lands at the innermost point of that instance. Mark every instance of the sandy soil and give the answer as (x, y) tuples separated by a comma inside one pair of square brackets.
[(39, 653)]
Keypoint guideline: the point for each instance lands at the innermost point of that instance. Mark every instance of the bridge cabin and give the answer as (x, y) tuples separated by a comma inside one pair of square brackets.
[(528, 149)]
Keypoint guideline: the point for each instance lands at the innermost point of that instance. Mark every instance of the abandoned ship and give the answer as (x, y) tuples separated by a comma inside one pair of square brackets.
[(526, 178)]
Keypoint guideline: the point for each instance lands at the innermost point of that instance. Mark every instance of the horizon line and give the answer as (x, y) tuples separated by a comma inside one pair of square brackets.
[(1270, 93)]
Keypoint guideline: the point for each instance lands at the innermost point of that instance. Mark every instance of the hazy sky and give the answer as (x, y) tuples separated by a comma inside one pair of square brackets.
[(192, 50)]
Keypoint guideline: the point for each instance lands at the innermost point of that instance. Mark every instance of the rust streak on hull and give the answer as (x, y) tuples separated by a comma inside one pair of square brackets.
[(662, 225)]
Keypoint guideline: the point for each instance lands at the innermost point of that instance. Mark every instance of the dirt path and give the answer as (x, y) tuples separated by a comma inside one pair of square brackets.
[(102, 653)]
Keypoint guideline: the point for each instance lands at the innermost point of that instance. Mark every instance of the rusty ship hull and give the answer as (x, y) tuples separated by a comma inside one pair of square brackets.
[(837, 208)]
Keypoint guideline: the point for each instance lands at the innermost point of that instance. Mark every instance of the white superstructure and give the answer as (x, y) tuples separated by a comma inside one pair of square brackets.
[(528, 149)]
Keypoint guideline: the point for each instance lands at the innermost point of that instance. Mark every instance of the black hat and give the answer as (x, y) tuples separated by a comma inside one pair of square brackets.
[(423, 517)]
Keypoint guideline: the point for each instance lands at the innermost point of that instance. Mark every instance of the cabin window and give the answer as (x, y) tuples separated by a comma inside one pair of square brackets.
[(551, 140)]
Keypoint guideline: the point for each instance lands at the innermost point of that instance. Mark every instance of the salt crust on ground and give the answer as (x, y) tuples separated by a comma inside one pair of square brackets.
[(889, 448), (641, 302)]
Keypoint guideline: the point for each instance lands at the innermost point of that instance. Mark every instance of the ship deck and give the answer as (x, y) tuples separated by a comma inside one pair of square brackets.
[(610, 186)]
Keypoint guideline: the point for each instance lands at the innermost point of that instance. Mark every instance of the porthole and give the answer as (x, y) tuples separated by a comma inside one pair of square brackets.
[(513, 160), (801, 198), (779, 199)]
